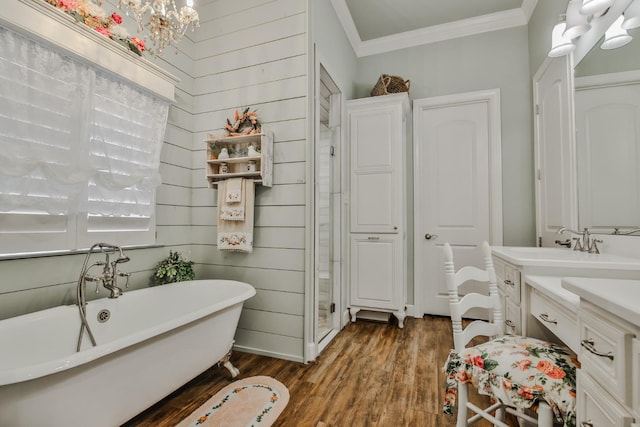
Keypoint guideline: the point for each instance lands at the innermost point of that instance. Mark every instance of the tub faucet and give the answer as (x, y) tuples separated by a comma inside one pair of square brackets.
[(110, 274), (108, 279)]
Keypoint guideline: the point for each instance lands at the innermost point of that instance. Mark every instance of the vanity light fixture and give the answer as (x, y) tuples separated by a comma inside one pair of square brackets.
[(615, 36), (595, 7), (577, 23), (632, 16), (560, 44)]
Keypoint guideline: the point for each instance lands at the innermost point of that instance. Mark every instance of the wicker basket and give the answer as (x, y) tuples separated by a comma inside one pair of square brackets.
[(388, 84)]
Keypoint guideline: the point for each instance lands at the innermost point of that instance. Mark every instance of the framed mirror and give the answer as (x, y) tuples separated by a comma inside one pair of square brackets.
[(607, 121)]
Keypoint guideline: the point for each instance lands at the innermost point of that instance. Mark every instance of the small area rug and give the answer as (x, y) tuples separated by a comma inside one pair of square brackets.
[(253, 401)]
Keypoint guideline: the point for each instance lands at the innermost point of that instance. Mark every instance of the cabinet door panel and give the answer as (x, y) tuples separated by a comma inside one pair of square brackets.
[(596, 407), (373, 136), (376, 138), (370, 211), (606, 338), (376, 275)]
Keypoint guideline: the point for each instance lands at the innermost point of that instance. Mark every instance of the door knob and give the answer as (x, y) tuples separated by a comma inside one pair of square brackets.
[(430, 236)]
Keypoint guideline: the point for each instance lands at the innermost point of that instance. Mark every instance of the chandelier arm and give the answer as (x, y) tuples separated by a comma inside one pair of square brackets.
[(163, 21)]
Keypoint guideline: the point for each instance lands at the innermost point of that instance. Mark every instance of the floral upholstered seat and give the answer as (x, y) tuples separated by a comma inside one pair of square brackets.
[(516, 371)]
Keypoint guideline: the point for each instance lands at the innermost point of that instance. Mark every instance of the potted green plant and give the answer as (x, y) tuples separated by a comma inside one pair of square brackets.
[(214, 151), (174, 268)]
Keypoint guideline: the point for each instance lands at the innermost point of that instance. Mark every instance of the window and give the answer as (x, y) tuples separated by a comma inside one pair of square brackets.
[(79, 152)]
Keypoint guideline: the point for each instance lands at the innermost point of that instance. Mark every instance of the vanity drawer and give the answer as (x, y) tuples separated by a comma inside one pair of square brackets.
[(552, 316), (499, 267), (512, 282), (512, 318), (595, 408), (604, 354), (635, 378)]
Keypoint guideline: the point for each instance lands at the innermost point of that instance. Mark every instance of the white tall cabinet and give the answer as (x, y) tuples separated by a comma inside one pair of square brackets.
[(377, 234)]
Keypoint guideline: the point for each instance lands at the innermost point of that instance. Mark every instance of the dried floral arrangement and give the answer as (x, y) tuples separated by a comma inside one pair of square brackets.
[(245, 123), (92, 15)]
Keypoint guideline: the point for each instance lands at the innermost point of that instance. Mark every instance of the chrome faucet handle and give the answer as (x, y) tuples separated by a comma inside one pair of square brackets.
[(127, 275), (565, 243), (578, 246), (97, 279), (593, 248)]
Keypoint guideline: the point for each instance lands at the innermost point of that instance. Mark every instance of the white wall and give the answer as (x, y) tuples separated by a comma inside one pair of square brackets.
[(498, 59), (254, 54)]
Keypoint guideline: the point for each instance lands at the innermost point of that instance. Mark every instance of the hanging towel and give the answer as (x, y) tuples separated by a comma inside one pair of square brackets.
[(232, 190), (234, 235)]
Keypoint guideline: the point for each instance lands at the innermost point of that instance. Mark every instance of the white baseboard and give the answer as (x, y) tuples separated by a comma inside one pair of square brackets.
[(276, 355), (411, 311), (311, 352), (346, 318)]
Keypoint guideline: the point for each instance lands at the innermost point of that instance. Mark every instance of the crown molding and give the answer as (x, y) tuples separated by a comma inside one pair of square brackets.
[(528, 6), (344, 16), (435, 33)]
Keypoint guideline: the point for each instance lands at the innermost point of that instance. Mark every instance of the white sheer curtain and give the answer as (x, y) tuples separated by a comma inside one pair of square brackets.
[(74, 140), (43, 98), (124, 149)]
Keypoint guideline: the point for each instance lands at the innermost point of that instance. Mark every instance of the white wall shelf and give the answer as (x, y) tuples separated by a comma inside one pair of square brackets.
[(237, 166)]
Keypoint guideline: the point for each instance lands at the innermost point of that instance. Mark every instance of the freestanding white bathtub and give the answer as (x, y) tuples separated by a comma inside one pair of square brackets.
[(156, 340)]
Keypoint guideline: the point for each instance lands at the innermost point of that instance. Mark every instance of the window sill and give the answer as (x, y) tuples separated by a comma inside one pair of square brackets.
[(37, 19), (29, 255)]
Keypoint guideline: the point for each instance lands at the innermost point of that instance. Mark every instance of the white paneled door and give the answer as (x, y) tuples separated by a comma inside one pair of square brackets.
[(556, 199), (457, 187)]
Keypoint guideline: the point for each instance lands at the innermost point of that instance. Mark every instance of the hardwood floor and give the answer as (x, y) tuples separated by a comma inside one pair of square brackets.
[(372, 374)]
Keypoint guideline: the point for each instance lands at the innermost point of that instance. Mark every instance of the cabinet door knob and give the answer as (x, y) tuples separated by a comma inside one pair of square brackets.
[(430, 236)]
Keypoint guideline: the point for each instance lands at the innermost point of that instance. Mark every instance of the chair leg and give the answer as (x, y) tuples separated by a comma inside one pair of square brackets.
[(463, 398), (501, 414), (545, 415)]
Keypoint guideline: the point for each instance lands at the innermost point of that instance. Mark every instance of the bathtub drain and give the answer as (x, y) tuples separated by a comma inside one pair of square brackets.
[(104, 315)]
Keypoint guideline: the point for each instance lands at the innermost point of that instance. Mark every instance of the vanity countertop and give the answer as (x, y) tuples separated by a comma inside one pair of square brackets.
[(564, 258), (618, 296), (552, 286)]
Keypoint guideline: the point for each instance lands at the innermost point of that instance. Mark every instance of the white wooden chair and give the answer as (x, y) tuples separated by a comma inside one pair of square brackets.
[(517, 372)]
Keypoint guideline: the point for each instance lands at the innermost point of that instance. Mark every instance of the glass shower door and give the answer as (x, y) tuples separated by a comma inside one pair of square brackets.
[(324, 224)]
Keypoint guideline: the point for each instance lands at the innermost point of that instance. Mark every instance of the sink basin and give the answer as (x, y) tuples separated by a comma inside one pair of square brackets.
[(545, 252), (562, 257)]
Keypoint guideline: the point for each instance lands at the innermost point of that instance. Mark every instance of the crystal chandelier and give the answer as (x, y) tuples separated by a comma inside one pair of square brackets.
[(165, 23)]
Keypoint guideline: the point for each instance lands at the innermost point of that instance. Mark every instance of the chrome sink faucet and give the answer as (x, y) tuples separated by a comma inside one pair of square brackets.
[(584, 241)]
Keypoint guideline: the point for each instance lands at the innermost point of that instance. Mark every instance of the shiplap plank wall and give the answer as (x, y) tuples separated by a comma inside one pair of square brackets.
[(254, 55)]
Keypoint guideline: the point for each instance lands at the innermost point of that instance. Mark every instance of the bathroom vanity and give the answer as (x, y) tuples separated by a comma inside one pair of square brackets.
[(609, 333), (589, 302)]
